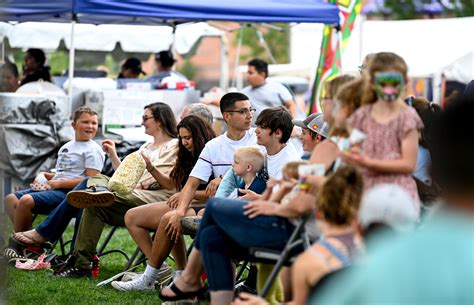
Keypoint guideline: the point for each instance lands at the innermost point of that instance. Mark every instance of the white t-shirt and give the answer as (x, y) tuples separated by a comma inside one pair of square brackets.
[(217, 156), (271, 94), (74, 157), (276, 162)]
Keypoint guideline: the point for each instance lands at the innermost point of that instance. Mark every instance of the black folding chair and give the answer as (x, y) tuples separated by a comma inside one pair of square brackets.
[(297, 243)]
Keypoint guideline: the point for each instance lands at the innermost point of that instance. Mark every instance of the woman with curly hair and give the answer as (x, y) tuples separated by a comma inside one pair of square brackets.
[(194, 133)]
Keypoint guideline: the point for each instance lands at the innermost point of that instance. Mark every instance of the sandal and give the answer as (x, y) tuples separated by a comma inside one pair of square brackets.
[(180, 295), (26, 240), (94, 196)]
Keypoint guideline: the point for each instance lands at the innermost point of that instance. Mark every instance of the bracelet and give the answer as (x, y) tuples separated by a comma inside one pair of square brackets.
[(151, 170)]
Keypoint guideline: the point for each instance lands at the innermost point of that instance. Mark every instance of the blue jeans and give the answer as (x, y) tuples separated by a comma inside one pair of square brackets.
[(57, 221), (45, 201), (225, 233)]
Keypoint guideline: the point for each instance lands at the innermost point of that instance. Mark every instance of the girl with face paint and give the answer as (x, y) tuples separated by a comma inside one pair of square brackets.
[(389, 153)]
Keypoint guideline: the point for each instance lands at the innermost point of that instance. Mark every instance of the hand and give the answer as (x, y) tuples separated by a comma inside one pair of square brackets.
[(109, 147), (212, 186), (259, 207), (249, 195), (355, 159), (54, 184), (145, 157), (173, 201), (317, 181), (173, 228), (288, 185), (37, 178), (245, 298), (272, 182)]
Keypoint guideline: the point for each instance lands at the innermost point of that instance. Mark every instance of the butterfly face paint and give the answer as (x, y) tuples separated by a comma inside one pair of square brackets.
[(388, 85)]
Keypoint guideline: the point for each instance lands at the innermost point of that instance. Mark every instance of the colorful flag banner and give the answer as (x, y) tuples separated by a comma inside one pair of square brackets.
[(329, 65)]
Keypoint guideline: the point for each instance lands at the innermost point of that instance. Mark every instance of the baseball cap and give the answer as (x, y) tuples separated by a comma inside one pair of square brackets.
[(133, 64), (165, 57), (388, 204), (314, 122)]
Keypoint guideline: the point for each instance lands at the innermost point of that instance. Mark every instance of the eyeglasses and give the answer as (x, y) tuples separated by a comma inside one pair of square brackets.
[(244, 111), (144, 118)]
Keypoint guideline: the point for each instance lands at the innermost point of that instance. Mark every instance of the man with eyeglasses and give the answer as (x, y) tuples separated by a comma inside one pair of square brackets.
[(217, 156), (265, 94)]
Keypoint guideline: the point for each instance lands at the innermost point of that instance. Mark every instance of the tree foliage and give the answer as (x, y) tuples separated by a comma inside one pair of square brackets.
[(277, 41), (411, 9)]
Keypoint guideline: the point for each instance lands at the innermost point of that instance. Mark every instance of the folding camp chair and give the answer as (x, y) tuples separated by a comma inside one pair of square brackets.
[(297, 243)]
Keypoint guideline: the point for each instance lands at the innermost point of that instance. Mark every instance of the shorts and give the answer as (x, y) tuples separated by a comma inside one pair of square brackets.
[(45, 201)]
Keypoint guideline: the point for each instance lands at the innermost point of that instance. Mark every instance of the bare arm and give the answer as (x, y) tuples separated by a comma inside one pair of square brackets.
[(71, 183), (164, 180), (187, 195), (173, 228), (109, 147), (325, 153), (201, 195), (306, 267), (291, 105), (405, 165), (301, 205)]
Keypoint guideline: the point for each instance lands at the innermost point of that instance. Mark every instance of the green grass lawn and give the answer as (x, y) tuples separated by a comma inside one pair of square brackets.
[(40, 287)]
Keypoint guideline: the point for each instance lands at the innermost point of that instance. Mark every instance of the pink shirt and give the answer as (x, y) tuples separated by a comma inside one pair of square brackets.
[(384, 142)]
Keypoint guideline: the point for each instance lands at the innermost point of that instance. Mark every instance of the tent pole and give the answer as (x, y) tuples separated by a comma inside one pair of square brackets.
[(2, 59), (224, 75), (237, 58), (71, 63)]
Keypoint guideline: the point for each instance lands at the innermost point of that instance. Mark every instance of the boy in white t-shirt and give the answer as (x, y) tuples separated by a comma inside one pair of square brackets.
[(76, 159), (274, 126)]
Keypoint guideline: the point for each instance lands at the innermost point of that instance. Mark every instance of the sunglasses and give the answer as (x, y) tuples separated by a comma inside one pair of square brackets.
[(144, 118)]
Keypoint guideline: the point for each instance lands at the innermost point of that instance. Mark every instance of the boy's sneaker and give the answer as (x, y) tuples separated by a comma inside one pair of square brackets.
[(73, 272), (11, 255), (93, 196), (137, 284)]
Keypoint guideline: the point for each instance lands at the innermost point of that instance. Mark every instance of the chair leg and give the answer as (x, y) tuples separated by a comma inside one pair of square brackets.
[(133, 257), (243, 266), (101, 251), (106, 241)]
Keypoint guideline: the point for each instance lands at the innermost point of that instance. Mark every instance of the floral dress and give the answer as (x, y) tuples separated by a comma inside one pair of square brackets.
[(383, 142)]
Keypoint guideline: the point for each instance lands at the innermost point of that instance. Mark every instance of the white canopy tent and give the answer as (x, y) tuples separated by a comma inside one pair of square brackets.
[(429, 46), (132, 38), (461, 70), (89, 37)]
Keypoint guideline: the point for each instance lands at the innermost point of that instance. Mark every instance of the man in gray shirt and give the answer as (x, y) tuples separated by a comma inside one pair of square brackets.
[(265, 94)]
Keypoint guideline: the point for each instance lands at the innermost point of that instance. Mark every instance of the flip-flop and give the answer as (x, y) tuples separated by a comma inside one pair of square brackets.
[(93, 196), (180, 295), (26, 240)]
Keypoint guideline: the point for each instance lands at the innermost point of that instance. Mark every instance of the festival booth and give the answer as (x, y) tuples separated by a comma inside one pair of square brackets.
[(121, 110)]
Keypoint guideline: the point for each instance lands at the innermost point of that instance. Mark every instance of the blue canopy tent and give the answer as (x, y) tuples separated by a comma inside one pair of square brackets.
[(152, 11), (165, 11)]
